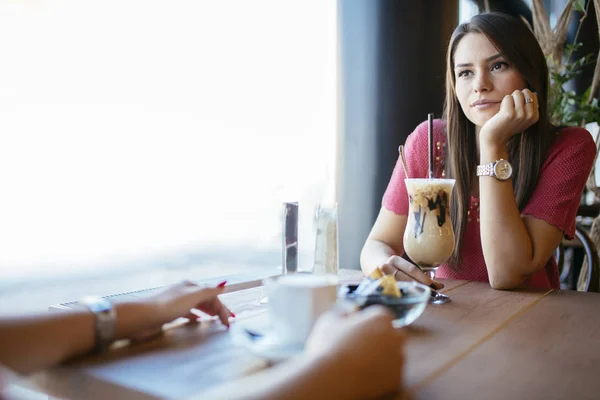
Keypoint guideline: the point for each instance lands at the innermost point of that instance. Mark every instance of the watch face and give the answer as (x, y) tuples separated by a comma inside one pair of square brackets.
[(503, 170)]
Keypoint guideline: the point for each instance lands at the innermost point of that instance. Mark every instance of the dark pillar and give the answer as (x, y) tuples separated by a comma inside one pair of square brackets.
[(392, 71)]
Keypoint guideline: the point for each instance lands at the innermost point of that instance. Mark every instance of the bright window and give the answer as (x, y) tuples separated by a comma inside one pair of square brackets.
[(160, 136)]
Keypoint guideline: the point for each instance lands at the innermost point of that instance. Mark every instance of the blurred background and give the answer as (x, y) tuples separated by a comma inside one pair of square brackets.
[(143, 142)]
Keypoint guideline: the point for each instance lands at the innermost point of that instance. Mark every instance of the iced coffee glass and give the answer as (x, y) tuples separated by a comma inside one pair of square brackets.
[(429, 237)]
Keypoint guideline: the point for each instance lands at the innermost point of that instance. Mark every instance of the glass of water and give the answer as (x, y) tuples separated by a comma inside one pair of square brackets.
[(326, 240)]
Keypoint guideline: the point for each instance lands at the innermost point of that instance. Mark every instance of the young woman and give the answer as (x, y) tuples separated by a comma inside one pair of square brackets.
[(518, 178)]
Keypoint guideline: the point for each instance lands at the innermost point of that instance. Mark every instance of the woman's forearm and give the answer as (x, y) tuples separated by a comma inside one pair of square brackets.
[(34, 342), (31, 343), (375, 253), (507, 247), (301, 378)]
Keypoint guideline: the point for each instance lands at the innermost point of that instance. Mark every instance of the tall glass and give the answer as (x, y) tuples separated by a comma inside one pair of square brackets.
[(326, 240), (429, 237)]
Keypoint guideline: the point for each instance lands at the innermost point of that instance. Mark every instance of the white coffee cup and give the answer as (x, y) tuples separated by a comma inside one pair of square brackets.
[(295, 303)]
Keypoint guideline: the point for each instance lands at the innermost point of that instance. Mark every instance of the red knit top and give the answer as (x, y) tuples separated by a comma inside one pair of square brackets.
[(554, 200)]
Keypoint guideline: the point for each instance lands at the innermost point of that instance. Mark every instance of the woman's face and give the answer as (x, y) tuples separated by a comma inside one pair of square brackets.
[(483, 78)]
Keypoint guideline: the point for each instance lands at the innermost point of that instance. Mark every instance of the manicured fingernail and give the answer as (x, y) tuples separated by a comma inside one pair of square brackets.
[(232, 314), (222, 284)]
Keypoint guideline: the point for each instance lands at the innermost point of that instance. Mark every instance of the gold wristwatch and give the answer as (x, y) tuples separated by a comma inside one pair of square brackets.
[(501, 170)]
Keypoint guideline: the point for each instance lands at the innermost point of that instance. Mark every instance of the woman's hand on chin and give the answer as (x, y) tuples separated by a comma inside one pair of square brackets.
[(518, 111)]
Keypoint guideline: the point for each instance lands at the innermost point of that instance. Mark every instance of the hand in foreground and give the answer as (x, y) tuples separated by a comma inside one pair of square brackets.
[(366, 344), (405, 271), (178, 301), (518, 111)]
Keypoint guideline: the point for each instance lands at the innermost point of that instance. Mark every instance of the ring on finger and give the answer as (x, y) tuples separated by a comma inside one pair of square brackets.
[(528, 100)]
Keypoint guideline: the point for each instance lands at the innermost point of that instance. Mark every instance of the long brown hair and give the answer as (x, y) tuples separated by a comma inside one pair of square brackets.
[(526, 151)]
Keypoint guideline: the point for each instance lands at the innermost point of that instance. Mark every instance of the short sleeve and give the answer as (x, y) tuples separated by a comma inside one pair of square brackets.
[(416, 153), (557, 195)]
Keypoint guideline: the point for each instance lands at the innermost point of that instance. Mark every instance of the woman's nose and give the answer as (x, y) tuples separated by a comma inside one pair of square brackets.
[(482, 83)]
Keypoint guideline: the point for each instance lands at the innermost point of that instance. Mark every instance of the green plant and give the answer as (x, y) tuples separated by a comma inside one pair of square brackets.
[(567, 107)]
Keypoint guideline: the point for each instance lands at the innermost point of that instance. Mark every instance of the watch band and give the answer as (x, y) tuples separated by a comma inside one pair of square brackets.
[(486, 169), (106, 317), (500, 169)]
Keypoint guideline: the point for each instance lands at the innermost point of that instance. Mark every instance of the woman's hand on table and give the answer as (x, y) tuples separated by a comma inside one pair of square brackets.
[(366, 344), (180, 300), (405, 271), (358, 356)]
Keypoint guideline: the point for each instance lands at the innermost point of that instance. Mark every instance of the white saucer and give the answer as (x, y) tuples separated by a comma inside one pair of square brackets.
[(263, 342)]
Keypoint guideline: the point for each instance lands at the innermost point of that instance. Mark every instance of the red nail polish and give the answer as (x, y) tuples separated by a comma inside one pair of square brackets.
[(222, 284), (232, 314)]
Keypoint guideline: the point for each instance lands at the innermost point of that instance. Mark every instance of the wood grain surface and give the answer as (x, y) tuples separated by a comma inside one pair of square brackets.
[(485, 344), (550, 351), (447, 331)]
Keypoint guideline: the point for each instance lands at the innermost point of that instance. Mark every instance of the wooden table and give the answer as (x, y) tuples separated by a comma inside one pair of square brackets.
[(485, 344)]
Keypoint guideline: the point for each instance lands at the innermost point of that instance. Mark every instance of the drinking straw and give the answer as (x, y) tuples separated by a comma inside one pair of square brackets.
[(403, 161), (430, 140)]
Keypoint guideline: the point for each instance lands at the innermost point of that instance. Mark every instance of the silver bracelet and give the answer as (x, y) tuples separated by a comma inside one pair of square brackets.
[(106, 318)]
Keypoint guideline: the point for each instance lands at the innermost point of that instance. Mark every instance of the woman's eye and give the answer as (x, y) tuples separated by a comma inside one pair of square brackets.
[(463, 73), (499, 66)]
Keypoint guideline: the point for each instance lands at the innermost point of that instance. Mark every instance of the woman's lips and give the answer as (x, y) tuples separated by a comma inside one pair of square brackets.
[(485, 105)]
